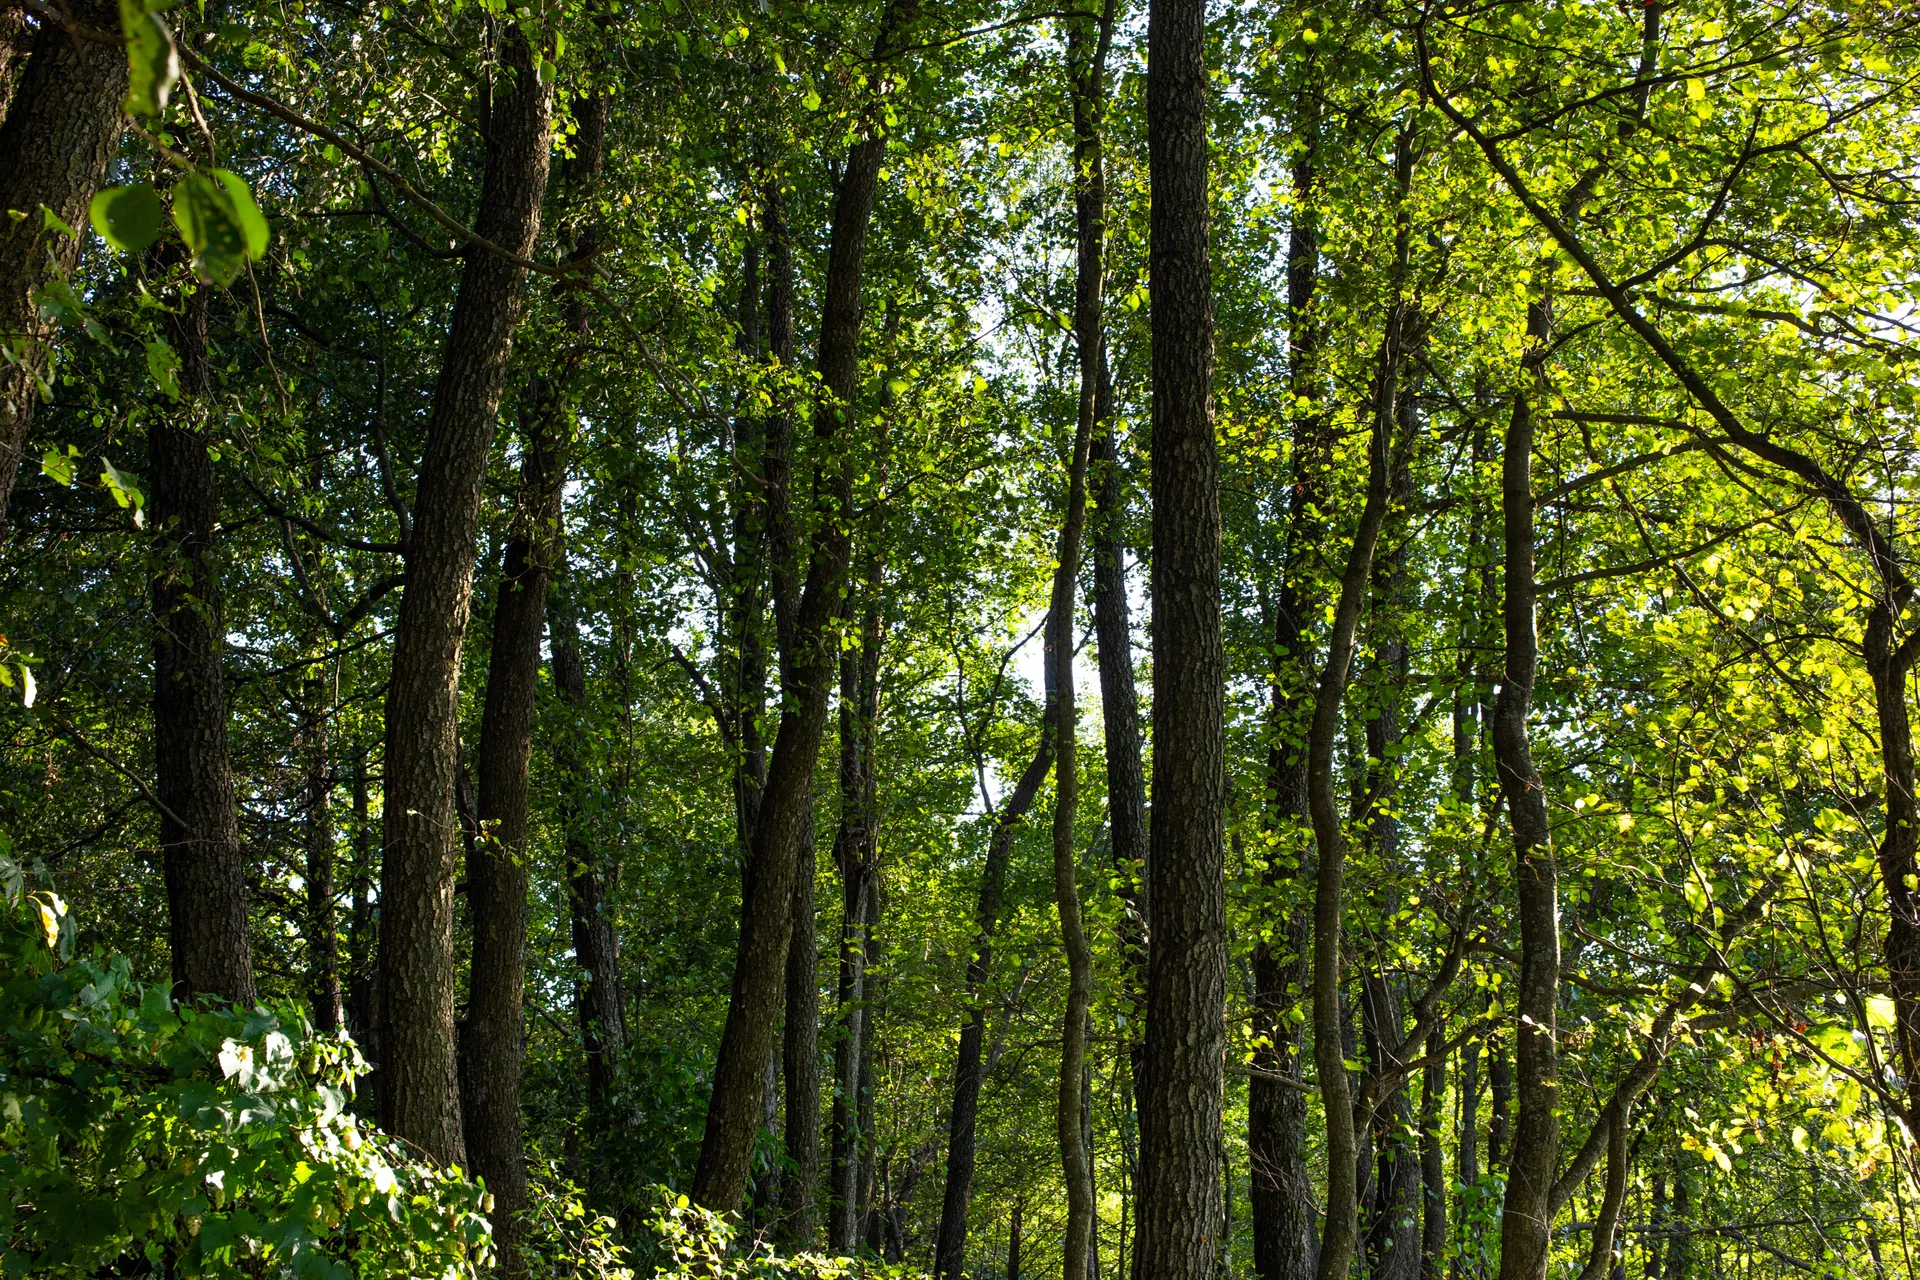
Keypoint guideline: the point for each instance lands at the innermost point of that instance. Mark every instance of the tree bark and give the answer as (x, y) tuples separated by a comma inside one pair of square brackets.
[(1527, 1218), (206, 870), (807, 666), (1433, 1173), (1285, 1215), (950, 1244), (596, 946), (323, 934), (61, 130), (1186, 984), (853, 854), (493, 1038), (1087, 44), (420, 1100), (1329, 1033)]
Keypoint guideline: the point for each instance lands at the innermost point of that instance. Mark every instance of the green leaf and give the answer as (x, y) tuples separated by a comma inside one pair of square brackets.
[(54, 222), (211, 226), (253, 224), (163, 365), (57, 465), (59, 304), (128, 218), (153, 64)]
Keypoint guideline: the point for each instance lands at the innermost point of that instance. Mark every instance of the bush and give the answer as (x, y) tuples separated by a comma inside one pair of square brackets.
[(204, 1139)]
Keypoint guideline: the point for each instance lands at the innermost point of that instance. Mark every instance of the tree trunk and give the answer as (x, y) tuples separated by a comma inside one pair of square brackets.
[(1285, 1215), (16, 41), (807, 665), (494, 1037), (61, 130), (1393, 1238), (420, 1100), (1433, 1174), (1014, 1241), (950, 1244), (853, 853), (1086, 67), (800, 1064), (323, 934), (206, 870), (1329, 1031), (596, 945), (1187, 975), (1527, 1219)]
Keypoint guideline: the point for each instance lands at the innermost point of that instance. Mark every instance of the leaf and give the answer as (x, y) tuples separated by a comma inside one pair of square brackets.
[(128, 218), (58, 303), (163, 365), (57, 466), (1880, 1015), (153, 64), (253, 224), (213, 228)]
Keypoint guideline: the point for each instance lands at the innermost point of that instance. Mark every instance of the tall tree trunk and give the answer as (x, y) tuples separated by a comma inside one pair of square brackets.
[(497, 882), (206, 870), (1329, 1031), (493, 1039), (1393, 1238), (807, 666), (1433, 1174), (950, 1244), (853, 853), (1187, 972), (363, 1002), (1087, 44), (596, 944), (61, 130), (1527, 1218), (420, 1100), (800, 1049), (1014, 1240), (323, 933), (1500, 1102), (1285, 1215)]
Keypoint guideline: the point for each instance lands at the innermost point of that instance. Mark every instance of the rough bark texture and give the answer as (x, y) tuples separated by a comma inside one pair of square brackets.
[(206, 870), (950, 1245), (1527, 1217), (807, 664), (1393, 1211), (1285, 1214), (1180, 1105), (322, 926), (60, 131), (16, 41), (420, 1100), (493, 1036)]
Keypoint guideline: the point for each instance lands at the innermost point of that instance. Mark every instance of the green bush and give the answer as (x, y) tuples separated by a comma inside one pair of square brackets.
[(206, 1139)]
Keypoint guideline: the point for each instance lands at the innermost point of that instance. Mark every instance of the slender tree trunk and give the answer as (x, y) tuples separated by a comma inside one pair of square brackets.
[(323, 932), (1014, 1240), (420, 1100), (807, 666), (1087, 43), (1187, 976), (1527, 1219), (1285, 1215), (1329, 1032), (1393, 1238), (494, 1035), (61, 129), (1500, 1102), (596, 948), (1433, 1173), (950, 1244), (494, 1040), (199, 826), (800, 1051), (854, 854)]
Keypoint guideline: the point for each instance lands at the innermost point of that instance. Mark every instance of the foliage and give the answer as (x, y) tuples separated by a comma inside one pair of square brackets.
[(207, 1140)]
